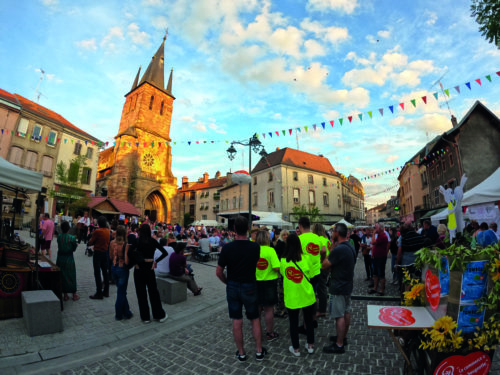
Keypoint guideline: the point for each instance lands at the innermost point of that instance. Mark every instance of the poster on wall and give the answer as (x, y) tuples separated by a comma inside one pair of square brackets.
[(469, 317), (474, 282), (432, 290), (444, 277)]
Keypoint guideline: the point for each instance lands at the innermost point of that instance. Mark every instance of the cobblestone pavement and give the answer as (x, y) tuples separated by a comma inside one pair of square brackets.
[(196, 338)]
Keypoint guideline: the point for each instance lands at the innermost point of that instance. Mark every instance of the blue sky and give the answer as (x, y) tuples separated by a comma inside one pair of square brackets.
[(245, 66)]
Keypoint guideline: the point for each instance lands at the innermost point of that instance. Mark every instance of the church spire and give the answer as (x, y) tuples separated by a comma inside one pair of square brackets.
[(154, 73), (136, 80), (169, 85)]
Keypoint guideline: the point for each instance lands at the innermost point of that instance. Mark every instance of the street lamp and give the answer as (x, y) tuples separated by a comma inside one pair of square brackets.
[(255, 145)]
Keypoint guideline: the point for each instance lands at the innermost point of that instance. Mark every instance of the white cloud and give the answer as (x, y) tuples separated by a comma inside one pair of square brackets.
[(384, 34), (398, 121), (392, 158), (434, 123), (89, 44), (152, 2), (50, 3), (114, 34), (159, 22), (331, 34), (200, 127), (137, 36), (313, 48), (344, 6), (277, 116), (330, 115), (187, 119), (432, 18)]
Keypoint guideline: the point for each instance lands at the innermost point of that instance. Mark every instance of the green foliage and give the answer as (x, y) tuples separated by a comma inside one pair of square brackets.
[(312, 212), (487, 15), (187, 219)]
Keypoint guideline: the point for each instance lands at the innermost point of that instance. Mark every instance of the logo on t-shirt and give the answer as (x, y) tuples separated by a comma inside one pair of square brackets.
[(312, 248), (294, 275), (262, 264)]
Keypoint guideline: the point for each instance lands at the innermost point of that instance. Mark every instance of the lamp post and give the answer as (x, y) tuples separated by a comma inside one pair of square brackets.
[(253, 144)]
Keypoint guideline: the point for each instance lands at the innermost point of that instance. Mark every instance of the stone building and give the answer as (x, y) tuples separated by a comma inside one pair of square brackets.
[(354, 198), (137, 168)]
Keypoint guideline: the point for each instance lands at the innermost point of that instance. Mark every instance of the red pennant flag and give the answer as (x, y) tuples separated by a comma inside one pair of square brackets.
[(197, 142), (290, 131), (46, 139), (498, 73), (478, 81), (58, 140), (331, 123), (350, 118), (402, 105), (277, 133), (424, 98), (93, 142)]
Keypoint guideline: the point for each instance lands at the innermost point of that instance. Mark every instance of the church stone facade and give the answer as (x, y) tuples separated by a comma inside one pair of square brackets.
[(137, 168)]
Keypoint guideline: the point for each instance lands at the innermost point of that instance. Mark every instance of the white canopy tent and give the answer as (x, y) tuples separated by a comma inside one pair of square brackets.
[(15, 178), (347, 224), (273, 219), (209, 223)]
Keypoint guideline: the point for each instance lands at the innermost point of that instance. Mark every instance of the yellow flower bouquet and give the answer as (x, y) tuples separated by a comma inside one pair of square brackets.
[(442, 337), (415, 296)]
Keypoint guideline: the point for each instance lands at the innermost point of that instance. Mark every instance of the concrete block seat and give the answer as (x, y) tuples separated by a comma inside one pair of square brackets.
[(41, 312), (171, 291)]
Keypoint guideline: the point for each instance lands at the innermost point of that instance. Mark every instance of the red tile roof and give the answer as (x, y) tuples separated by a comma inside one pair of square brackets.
[(7, 96), (121, 206), (295, 158), (50, 115), (211, 183)]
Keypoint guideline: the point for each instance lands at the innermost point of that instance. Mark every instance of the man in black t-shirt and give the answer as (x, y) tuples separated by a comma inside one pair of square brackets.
[(241, 257)]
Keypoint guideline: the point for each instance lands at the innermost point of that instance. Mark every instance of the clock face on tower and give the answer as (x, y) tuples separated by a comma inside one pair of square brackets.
[(148, 161)]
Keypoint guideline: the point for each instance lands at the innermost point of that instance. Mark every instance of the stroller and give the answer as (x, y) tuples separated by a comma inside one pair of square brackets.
[(89, 251)]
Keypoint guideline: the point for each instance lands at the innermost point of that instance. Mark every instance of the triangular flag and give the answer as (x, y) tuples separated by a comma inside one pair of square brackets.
[(137, 144), (299, 130), (391, 107), (478, 81), (468, 85), (277, 133), (73, 141), (264, 135), (2, 131), (284, 132), (323, 125), (65, 140), (314, 127), (270, 134), (350, 118), (424, 99), (341, 120), (331, 123), (498, 73), (402, 105), (457, 88), (145, 144), (204, 141), (447, 92), (85, 143), (488, 77), (381, 110), (370, 114), (436, 95), (58, 140), (290, 131), (197, 142), (360, 115), (305, 128), (413, 102)]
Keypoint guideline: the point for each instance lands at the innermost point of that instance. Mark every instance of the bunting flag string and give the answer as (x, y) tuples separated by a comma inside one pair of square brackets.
[(382, 191)]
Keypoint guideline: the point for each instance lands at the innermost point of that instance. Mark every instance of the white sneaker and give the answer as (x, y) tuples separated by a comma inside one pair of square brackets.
[(292, 350), (163, 319), (309, 350)]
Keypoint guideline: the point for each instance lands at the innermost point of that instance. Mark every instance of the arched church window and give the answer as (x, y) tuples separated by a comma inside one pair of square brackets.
[(151, 102), (161, 108)]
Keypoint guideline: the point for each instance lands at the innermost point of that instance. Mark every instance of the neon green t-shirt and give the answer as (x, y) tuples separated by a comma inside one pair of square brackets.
[(311, 246), (297, 290), (267, 261), (326, 243)]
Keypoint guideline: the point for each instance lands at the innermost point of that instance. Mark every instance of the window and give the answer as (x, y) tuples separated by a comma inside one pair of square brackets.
[(254, 199), (451, 159), (295, 176), (436, 196), (52, 139), (86, 174), (234, 202), (438, 169), (47, 166), (312, 199), (310, 179), (223, 205), (444, 166), (192, 195), (161, 108), (325, 199), (73, 172), (90, 151), (203, 217), (270, 178), (270, 198), (37, 132), (338, 184), (433, 173), (78, 148), (16, 153), (240, 202), (339, 200), (30, 162), (423, 177), (191, 210), (324, 181), (254, 180), (296, 196), (22, 128), (151, 102)]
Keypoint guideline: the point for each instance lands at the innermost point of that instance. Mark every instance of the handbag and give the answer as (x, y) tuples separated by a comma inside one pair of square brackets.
[(300, 269), (134, 256)]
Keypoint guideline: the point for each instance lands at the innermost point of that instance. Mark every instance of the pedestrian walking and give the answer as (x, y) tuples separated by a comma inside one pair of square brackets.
[(118, 249), (66, 246), (100, 240)]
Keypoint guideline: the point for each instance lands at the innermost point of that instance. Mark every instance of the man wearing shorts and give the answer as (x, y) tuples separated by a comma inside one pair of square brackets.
[(241, 257), (47, 235), (340, 262)]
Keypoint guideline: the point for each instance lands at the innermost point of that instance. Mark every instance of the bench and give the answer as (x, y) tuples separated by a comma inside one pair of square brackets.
[(171, 291), (41, 312)]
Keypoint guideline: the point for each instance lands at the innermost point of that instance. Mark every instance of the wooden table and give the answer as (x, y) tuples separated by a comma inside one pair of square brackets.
[(48, 277)]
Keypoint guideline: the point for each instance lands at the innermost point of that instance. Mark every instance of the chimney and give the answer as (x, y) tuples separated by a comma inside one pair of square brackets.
[(184, 181), (217, 174), (205, 177), (454, 121)]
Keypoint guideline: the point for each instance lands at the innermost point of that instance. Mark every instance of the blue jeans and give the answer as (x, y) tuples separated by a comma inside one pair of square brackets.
[(239, 295), (122, 308)]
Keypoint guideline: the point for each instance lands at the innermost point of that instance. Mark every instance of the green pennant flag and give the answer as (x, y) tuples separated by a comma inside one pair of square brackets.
[(370, 114), (436, 95), (341, 120), (447, 92), (413, 102), (488, 77), (175, 143), (360, 115), (284, 132), (305, 128)]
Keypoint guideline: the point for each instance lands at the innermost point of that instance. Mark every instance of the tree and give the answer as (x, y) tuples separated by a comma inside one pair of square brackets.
[(70, 179), (312, 212), (187, 219), (487, 15)]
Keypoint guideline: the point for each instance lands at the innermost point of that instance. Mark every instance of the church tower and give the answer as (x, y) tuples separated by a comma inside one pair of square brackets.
[(137, 168)]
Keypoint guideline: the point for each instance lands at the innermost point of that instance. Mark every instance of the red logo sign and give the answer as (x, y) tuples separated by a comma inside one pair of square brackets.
[(262, 264), (432, 289), (312, 248), (477, 363), (294, 275), (396, 316)]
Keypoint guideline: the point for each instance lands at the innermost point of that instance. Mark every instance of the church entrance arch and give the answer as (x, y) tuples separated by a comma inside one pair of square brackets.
[(155, 207)]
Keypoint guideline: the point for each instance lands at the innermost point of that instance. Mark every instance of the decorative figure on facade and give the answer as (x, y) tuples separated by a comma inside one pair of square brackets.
[(454, 200)]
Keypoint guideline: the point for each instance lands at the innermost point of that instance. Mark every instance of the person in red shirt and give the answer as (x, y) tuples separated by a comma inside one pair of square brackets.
[(380, 244)]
